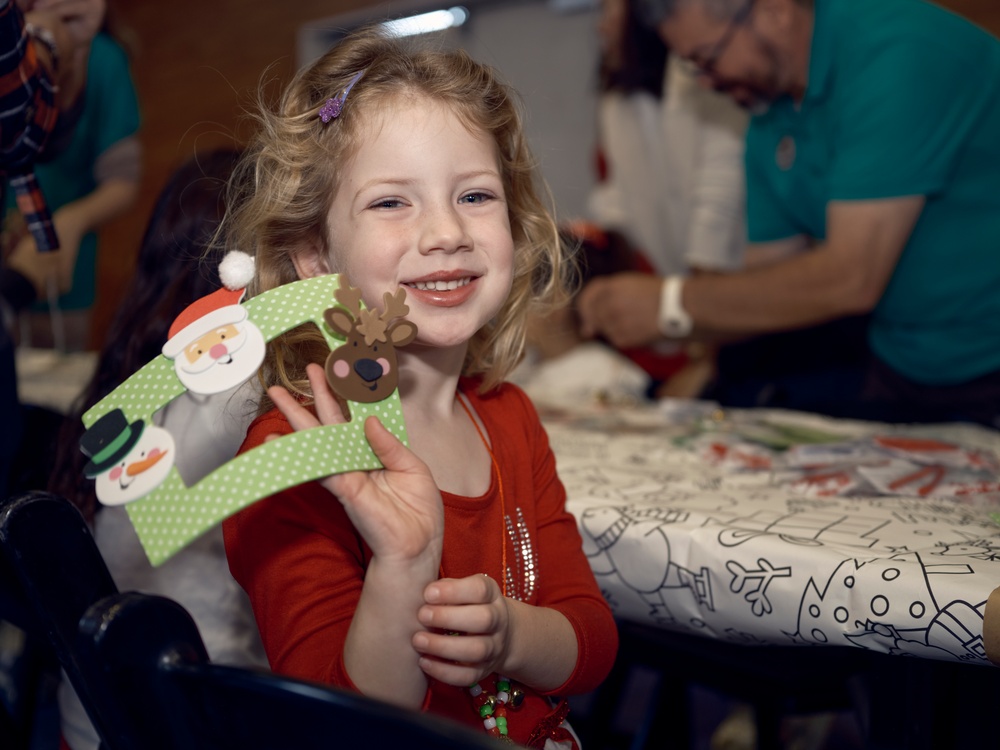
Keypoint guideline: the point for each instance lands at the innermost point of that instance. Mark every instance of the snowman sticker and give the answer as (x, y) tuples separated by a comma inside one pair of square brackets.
[(127, 461)]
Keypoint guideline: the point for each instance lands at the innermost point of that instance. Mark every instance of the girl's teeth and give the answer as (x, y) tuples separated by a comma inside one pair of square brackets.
[(440, 286)]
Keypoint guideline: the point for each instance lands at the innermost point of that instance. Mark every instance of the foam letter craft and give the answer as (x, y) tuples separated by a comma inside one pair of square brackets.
[(125, 448)]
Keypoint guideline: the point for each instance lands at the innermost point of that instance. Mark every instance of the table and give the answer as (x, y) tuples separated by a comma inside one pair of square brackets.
[(50, 378), (770, 527)]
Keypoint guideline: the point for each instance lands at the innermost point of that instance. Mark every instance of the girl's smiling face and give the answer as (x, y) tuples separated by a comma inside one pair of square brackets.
[(422, 205)]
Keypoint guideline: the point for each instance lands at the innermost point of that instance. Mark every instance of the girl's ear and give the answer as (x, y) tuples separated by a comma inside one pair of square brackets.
[(310, 261)]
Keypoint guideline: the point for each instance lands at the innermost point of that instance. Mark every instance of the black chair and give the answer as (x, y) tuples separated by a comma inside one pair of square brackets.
[(53, 571), (152, 662)]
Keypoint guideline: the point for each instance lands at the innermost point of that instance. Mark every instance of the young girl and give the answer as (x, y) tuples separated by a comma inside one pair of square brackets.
[(456, 565)]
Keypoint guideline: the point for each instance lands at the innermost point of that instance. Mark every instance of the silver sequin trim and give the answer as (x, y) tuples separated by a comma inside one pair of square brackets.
[(522, 577)]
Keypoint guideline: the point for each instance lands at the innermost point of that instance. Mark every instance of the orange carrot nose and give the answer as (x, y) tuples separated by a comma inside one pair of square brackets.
[(137, 467)]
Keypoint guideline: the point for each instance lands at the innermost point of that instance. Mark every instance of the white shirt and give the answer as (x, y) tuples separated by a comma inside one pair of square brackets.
[(676, 182)]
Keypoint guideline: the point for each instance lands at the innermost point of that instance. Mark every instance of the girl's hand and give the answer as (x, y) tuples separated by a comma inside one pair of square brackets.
[(397, 509), (468, 634)]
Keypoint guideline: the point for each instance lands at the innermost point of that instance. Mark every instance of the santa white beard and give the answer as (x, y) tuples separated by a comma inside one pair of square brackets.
[(209, 375)]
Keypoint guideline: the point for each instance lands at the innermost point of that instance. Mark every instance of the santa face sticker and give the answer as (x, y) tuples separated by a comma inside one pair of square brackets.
[(214, 345), (127, 461)]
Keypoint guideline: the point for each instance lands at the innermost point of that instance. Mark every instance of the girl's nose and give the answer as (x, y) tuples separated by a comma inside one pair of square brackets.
[(444, 230)]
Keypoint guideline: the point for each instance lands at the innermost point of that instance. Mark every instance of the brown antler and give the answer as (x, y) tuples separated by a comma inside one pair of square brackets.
[(394, 304), (374, 326), (347, 295), (371, 326)]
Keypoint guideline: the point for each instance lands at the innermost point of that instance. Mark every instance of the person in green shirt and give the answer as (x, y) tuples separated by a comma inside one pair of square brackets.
[(93, 179), (872, 171)]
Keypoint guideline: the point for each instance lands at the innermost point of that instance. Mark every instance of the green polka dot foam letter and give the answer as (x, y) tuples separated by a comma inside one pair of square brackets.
[(132, 460)]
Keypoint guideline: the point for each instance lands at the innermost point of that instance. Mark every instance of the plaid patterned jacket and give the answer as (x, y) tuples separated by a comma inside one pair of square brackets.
[(27, 118)]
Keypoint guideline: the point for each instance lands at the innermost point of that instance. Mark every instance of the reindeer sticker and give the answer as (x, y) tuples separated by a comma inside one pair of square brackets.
[(364, 368)]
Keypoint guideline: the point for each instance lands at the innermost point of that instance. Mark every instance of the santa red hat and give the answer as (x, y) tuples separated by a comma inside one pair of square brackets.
[(220, 308)]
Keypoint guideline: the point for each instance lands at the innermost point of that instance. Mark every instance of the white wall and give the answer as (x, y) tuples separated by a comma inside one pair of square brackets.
[(546, 50)]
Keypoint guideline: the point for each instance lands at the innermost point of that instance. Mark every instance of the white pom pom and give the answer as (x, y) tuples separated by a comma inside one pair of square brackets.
[(236, 270)]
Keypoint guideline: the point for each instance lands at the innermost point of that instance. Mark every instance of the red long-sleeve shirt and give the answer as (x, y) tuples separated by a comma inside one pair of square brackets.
[(302, 562)]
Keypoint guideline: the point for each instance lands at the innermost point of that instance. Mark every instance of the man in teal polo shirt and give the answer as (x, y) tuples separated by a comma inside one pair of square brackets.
[(873, 173)]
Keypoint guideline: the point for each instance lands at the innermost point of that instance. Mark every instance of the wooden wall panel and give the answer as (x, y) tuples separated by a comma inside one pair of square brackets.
[(196, 67), (198, 64), (984, 12)]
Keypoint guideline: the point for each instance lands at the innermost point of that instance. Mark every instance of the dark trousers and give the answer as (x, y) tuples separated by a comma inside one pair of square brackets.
[(902, 400), (821, 369), (829, 369)]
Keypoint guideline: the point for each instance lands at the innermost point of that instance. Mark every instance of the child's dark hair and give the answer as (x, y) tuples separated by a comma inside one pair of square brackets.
[(639, 64)]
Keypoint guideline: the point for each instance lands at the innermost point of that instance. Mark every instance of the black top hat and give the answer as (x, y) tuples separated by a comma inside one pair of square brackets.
[(108, 441)]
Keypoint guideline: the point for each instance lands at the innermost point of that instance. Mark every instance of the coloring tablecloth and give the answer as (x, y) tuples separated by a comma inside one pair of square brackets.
[(778, 527)]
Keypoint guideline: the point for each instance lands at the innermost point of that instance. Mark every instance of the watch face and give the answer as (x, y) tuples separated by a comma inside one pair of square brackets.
[(673, 322), (676, 328)]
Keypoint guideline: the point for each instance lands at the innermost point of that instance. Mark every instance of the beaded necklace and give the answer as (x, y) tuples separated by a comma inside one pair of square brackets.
[(492, 702)]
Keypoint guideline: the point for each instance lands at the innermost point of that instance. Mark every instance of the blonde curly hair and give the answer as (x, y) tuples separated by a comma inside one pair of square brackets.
[(291, 174)]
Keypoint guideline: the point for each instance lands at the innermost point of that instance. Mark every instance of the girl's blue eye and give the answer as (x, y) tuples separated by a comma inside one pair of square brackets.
[(475, 198), (387, 203)]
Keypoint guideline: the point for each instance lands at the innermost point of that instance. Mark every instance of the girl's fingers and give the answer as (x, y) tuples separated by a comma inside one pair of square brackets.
[(297, 415), (327, 406), (475, 589), (391, 452), (461, 649), (448, 673)]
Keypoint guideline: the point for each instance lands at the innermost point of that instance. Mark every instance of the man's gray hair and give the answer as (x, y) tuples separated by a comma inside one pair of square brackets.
[(655, 12)]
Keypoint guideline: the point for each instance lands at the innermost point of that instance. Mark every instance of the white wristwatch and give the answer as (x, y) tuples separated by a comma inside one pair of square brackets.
[(673, 321)]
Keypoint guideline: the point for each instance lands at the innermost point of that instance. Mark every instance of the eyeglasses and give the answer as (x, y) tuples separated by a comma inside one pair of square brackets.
[(706, 65)]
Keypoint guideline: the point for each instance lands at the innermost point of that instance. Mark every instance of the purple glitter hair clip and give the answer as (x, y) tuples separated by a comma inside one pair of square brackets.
[(333, 107)]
